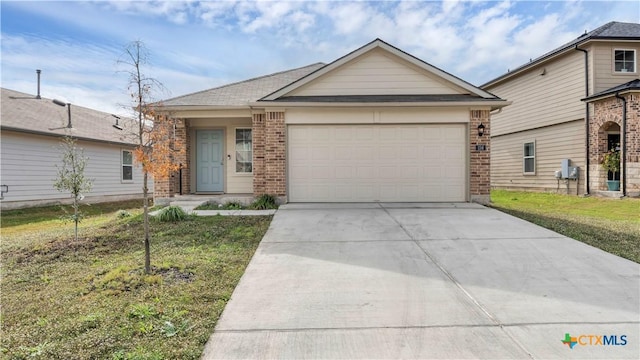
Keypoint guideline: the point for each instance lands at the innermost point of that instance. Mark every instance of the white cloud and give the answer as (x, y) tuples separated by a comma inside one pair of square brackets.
[(198, 45), (175, 11)]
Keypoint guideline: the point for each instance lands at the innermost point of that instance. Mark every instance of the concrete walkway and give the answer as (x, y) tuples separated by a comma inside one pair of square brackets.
[(423, 281)]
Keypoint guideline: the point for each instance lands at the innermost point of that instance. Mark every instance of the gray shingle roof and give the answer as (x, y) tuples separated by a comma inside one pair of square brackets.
[(243, 92), (631, 85), (23, 112), (613, 31), (616, 30)]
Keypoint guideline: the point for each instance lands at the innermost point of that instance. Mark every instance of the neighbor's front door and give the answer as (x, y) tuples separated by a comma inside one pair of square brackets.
[(210, 161)]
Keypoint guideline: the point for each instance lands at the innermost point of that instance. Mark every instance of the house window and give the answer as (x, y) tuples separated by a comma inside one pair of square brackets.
[(624, 61), (127, 165), (244, 152), (529, 158)]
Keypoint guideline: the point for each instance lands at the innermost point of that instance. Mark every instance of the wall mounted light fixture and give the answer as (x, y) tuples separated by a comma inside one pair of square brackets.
[(480, 129)]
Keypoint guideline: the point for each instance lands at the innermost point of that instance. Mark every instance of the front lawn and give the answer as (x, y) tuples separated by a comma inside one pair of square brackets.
[(90, 299), (612, 225)]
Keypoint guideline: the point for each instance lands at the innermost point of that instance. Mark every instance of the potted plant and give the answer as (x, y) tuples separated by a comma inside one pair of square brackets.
[(611, 162)]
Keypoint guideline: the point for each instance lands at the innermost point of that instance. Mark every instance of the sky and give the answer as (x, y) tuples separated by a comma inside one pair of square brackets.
[(198, 45)]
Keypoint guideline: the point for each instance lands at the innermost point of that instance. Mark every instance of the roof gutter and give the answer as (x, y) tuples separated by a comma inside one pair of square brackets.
[(586, 118), (168, 108), (623, 146), (44, 133)]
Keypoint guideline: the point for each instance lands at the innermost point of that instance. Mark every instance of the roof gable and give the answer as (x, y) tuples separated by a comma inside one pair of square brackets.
[(378, 69)]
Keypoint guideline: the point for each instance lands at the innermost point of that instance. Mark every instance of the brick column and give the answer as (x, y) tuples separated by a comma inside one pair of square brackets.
[(633, 144), (258, 145), (164, 189), (182, 142), (275, 148), (480, 160)]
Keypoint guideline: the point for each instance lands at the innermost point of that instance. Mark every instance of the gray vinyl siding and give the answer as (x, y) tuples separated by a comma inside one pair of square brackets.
[(29, 162), (542, 100), (604, 76), (553, 143)]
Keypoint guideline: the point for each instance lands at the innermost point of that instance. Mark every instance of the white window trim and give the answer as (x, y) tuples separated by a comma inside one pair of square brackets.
[(524, 172), (235, 168), (122, 165), (635, 62)]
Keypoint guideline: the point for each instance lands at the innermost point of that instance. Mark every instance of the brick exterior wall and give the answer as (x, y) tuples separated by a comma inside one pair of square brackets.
[(479, 160), (167, 188), (269, 157), (269, 154), (607, 116)]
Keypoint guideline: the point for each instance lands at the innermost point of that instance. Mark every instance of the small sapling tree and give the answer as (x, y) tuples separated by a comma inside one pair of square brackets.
[(71, 177), (156, 147)]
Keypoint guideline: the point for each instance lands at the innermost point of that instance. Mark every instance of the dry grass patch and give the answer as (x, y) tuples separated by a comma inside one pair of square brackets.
[(90, 299)]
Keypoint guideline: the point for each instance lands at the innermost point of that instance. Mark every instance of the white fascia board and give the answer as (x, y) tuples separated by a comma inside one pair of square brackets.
[(497, 104)]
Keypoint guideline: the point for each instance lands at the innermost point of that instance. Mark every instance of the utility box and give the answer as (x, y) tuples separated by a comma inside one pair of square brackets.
[(565, 168), (573, 172)]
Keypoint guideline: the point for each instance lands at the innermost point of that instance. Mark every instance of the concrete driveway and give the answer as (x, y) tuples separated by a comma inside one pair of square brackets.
[(389, 281)]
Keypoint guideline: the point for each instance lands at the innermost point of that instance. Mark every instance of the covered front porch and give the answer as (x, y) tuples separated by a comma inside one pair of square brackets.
[(217, 163), (614, 127)]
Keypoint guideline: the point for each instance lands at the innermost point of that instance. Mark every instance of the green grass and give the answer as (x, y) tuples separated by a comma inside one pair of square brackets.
[(90, 299), (612, 225), (48, 214)]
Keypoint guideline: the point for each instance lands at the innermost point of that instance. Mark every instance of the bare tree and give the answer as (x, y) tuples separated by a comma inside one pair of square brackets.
[(71, 176), (154, 150)]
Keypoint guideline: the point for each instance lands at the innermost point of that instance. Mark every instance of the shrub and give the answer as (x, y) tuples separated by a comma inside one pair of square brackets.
[(611, 160), (265, 202), (233, 205), (172, 213), (121, 214)]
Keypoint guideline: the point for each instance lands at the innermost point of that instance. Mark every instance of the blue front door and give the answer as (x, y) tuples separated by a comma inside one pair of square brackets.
[(210, 161)]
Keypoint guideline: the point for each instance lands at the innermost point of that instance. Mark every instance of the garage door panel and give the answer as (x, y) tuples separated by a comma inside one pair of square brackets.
[(365, 173), (323, 172), (453, 173), (363, 192), (343, 153), (363, 133), (363, 163), (299, 172)]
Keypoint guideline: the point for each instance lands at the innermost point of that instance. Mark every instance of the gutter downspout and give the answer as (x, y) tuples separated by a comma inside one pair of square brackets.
[(623, 146), (586, 94)]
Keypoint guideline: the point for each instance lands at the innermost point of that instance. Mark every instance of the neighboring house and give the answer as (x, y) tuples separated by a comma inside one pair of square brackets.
[(375, 125), (32, 129), (546, 122)]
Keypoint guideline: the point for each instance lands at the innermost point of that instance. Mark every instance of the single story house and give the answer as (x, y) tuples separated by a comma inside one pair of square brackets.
[(377, 124), (570, 106), (32, 129)]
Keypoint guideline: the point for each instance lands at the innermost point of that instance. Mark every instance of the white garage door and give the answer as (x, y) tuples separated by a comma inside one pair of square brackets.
[(364, 163)]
